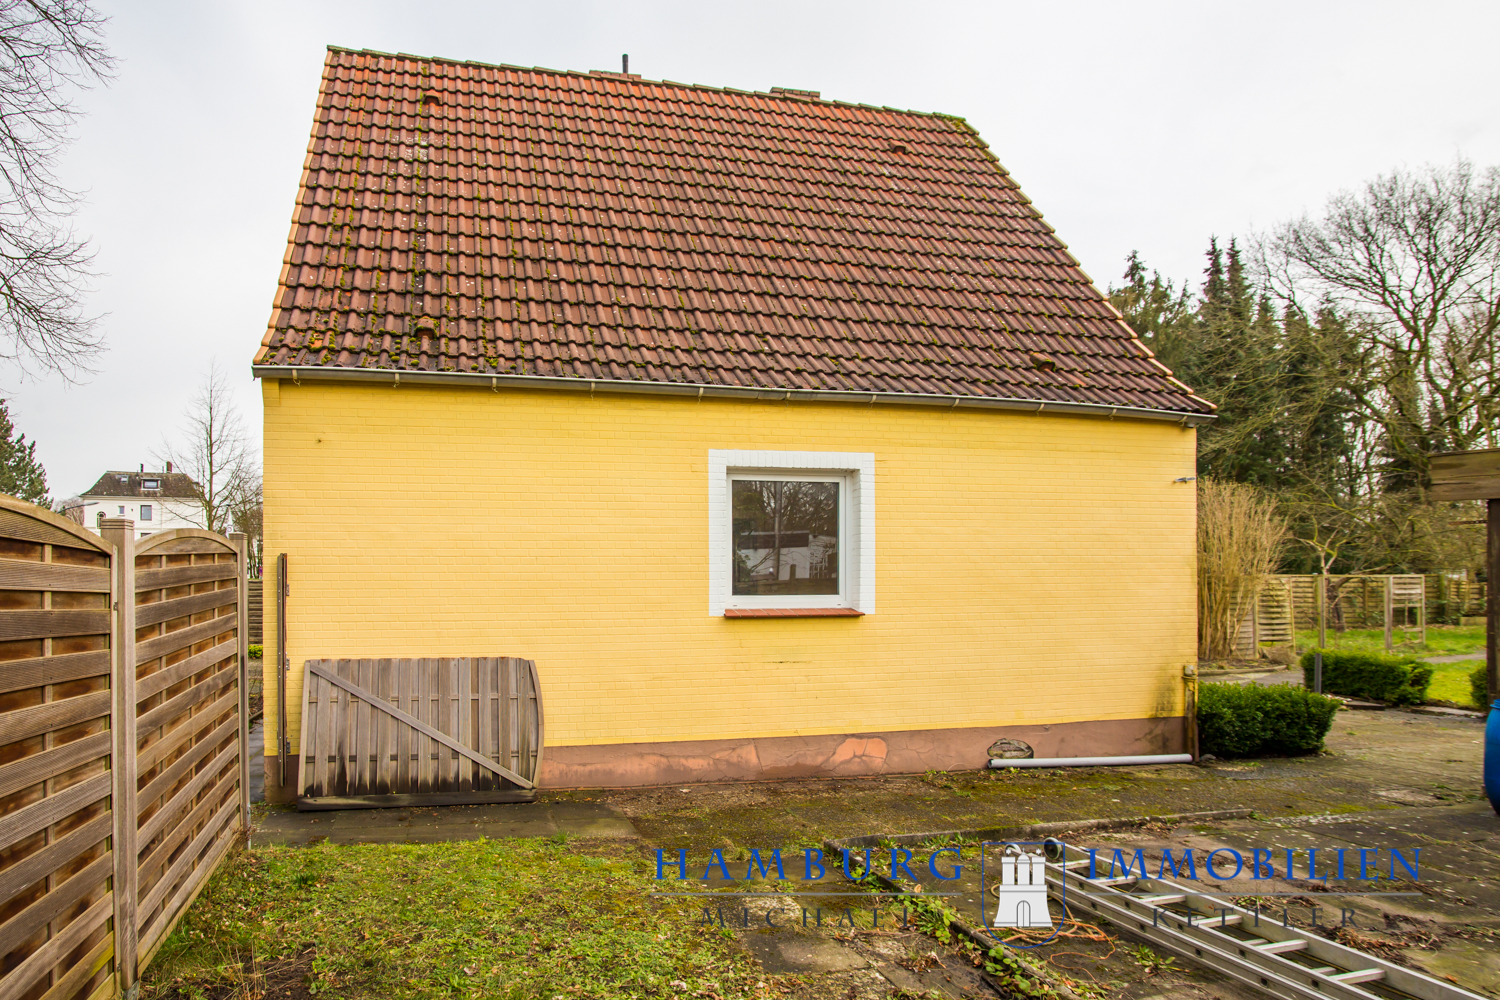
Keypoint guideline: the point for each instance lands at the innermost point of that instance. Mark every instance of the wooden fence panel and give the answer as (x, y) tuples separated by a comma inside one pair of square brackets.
[(189, 687), (255, 623), (383, 732), (122, 743), (56, 756)]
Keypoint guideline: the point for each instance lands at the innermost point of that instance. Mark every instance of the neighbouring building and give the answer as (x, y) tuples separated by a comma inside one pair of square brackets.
[(156, 501), (781, 432)]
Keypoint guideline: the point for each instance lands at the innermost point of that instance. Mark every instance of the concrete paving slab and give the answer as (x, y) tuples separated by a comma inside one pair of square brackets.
[(439, 824)]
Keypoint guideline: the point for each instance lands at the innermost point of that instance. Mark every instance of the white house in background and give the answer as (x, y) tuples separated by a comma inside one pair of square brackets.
[(155, 501)]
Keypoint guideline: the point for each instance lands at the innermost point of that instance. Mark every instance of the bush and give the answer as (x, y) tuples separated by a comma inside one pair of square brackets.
[(256, 650), (1479, 686), (1246, 720), (1399, 680)]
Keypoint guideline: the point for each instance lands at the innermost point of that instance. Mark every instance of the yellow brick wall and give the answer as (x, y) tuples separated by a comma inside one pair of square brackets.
[(1030, 569)]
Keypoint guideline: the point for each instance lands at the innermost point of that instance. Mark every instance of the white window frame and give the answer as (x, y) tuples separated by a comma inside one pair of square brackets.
[(146, 512), (855, 471)]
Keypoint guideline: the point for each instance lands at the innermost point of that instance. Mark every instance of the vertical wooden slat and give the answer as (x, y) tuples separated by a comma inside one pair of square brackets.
[(307, 741), (509, 717), (426, 769), (120, 532), (384, 743), (349, 719), (405, 681), (327, 732), (538, 722), (523, 717), (463, 681), (486, 671), (447, 717), (364, 740)]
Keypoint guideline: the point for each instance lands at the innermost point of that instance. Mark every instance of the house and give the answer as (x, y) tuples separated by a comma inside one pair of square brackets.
[(156, 501), (782, 433)]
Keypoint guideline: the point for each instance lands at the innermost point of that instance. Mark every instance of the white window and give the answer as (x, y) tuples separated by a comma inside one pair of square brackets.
[(150, 484), (145, 512), (122, 510), (791, 530)]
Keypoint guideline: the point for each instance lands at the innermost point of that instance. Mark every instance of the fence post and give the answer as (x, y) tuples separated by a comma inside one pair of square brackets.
[(1422, 611), (242, 635), (1255, 625), (1492, 599), (1390, 600), (1322, 610), (120, 532)]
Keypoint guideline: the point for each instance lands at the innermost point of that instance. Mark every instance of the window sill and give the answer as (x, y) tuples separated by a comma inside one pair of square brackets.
[(792, 613)]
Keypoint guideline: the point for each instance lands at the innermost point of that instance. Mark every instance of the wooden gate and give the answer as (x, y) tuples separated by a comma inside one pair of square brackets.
[(190, 713), (440, 731)]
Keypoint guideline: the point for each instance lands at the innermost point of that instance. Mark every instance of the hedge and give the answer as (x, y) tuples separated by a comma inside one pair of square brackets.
[(1399, 680), (1247, 720), (1479, 686)]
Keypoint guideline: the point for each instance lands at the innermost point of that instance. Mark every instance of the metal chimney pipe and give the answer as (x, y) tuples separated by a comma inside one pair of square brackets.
[(625, 63)]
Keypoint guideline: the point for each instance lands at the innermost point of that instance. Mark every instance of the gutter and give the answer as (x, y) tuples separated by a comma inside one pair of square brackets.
[(394, 378)]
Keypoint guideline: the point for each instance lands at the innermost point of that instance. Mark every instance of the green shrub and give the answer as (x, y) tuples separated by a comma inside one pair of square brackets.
[(1479, 686), (256, 650), (1246, 720), (1400, 680)]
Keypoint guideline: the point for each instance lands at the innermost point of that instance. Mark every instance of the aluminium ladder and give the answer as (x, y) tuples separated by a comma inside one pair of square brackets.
[(1243, 944)]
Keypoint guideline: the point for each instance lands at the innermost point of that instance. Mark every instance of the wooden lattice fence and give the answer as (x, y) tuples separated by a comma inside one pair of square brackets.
[(122, 743)]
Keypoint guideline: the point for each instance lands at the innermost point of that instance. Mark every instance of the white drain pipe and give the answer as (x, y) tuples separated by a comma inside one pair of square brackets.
[(1156, 758)]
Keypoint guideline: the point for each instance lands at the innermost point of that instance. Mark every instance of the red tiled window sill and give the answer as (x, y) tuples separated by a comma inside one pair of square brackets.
[(792, 613)]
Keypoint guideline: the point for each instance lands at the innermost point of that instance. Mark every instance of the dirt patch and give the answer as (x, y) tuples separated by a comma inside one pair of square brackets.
[(283, 980)]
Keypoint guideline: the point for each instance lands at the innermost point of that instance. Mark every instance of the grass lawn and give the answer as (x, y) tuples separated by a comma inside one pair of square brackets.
[(1450, 682), (1442, 640), (505, 919)]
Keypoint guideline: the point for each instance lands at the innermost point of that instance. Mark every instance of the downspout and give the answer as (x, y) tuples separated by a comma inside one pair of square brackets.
[(1157, 758), (283, 747)]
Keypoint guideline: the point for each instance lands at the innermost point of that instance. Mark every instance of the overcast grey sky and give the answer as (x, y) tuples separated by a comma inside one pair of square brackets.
[(1144, 126)]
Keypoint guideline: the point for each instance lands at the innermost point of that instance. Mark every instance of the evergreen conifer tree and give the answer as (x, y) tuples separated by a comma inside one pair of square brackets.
[(21, 475)]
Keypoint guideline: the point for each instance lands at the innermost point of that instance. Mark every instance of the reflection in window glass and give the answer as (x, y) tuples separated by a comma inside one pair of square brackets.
[(786, 537)]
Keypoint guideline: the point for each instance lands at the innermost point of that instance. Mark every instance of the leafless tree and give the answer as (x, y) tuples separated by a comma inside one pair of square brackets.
[(249, 517), (1414, 260), (48, 49), (217, 455)]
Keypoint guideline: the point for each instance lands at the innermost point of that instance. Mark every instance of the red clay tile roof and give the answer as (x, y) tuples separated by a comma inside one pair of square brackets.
[(495, 220)]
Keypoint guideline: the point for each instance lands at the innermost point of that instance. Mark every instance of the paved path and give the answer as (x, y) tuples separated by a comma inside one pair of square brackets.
[(1455, 657), (439, 824)]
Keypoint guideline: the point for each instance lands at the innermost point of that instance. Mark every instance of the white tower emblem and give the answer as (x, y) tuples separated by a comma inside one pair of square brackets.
[(1023, 892)]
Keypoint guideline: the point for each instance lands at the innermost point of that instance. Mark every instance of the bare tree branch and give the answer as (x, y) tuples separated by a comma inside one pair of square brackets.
[(1414, 261), (48, 49), (217, 455)]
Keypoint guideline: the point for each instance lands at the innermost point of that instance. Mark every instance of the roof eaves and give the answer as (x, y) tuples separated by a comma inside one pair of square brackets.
[(396, 378)]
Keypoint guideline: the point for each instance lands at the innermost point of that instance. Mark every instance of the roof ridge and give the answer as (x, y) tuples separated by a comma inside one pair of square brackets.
[(637, 78)]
